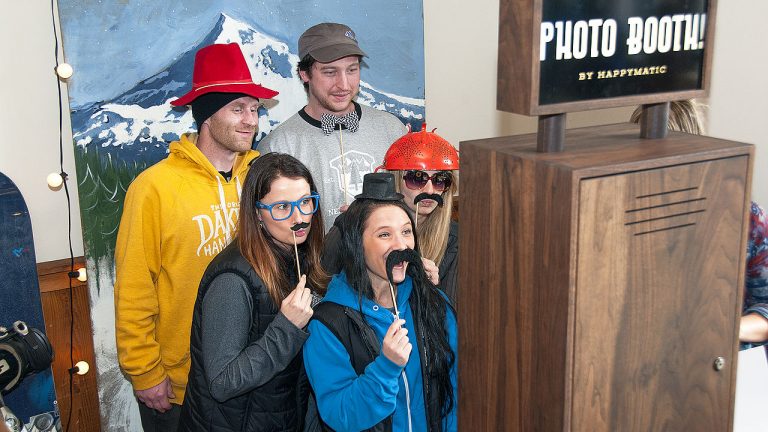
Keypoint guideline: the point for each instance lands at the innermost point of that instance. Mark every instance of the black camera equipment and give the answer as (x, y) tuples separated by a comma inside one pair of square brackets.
[(23, 351)]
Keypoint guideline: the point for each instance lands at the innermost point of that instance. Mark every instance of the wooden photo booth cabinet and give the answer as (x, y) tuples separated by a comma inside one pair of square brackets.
[(601, 287), (601, 273)]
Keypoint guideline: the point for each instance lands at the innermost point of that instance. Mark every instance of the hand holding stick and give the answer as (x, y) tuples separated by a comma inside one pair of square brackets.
[(297, 305)]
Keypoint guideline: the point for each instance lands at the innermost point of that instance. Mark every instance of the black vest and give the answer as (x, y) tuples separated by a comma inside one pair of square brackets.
[(362, 345), (278, 405)]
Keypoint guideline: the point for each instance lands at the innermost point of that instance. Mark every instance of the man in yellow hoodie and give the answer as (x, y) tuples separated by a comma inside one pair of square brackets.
[(178, 214)]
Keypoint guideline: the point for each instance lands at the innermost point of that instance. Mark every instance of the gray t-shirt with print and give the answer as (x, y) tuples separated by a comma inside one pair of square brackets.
[(302, 137)]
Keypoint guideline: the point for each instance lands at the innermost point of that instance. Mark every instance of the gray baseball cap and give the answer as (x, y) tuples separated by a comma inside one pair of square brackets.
[(327, 42)]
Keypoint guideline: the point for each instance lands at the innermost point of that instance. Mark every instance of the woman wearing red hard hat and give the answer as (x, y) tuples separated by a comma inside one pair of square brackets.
[(425, 167)]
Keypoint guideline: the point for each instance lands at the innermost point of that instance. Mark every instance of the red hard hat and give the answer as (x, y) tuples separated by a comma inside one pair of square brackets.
[(421, 151)]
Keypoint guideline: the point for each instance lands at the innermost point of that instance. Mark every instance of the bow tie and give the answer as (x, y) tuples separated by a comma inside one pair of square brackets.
[(328, 122)]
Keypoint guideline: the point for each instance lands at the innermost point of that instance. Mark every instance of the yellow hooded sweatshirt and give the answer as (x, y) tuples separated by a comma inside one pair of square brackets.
[(178, 214)]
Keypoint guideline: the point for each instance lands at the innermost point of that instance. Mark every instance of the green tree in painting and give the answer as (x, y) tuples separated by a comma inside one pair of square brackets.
[(102, 182)]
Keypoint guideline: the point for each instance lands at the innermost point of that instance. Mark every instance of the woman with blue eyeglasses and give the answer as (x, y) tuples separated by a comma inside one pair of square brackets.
[(249, 321)]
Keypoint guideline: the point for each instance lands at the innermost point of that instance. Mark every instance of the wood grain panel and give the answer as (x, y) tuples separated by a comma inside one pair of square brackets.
[(614, 149), (673, 293), (517, 90), (513, 328), (482, 384), (54, 275), (54, 284), (562, 329)]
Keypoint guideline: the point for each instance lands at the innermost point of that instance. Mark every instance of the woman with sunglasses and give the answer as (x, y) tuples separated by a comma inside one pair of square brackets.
[(382, 348), (425, 167), (249, 320)]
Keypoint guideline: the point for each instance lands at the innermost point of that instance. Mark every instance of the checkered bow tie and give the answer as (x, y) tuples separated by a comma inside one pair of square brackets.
[(329, 121)]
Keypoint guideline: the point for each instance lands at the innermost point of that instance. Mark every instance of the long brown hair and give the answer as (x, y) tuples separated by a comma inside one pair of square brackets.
[(257, 246), (433, 230)]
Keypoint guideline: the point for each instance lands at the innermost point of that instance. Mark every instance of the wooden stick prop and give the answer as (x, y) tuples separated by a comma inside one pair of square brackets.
[(394, 299), (295, 228), (343, 171), (296, 251), (416, 219)]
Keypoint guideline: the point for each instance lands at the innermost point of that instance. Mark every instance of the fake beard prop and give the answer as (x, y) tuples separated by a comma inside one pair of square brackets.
[(394, 258), (397, 256), (435, 197), (295, 228)]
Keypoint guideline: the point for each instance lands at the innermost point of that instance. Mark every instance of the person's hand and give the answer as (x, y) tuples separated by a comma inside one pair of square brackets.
[(157, 397), (433, 271), (297, 305), (396, 346)]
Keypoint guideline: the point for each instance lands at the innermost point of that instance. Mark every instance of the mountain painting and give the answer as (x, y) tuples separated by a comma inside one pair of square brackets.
[(132, 58)]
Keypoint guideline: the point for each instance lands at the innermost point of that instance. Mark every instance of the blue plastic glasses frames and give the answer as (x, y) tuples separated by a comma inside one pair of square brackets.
[(282, 210)]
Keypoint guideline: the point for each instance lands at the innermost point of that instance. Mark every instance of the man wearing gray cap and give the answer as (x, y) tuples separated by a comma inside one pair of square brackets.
[(337, 138)]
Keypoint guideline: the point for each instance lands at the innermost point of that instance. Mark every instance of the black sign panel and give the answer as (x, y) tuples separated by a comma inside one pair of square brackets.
[(596, 49)]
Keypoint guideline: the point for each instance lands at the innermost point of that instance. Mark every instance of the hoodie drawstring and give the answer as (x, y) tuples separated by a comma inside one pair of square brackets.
[(407, 401), (225, 210), (239, 188)]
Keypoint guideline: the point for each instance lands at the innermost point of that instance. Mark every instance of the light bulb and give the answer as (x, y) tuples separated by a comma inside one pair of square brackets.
[(64, 70), (81, 275), (54, 180), (82, 367)]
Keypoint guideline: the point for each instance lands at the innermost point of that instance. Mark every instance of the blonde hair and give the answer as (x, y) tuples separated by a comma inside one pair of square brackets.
[(684, 116), (433, 230)]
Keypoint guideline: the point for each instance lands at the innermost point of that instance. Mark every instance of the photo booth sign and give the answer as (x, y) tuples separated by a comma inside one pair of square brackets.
[(601, 53)]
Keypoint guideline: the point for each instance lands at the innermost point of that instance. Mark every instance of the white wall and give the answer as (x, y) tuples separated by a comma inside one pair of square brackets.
[(460, 53), (738, 100), (460, 56), (29, 119)]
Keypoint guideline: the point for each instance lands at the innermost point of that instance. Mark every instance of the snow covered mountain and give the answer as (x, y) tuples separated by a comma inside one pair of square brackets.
[(139, 123)]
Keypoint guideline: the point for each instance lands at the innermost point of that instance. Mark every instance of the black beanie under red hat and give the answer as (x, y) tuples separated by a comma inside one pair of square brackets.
[(208, 104)]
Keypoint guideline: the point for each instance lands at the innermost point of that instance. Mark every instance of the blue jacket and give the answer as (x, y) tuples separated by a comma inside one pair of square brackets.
[(348, 402)]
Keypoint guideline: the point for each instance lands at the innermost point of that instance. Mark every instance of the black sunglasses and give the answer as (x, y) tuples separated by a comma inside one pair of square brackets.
[(416, 180)]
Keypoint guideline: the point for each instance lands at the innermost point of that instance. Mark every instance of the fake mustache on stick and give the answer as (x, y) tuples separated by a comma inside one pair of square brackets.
[(397, 256), (434, 197), (299, 226), (421, 197), (394, 258)]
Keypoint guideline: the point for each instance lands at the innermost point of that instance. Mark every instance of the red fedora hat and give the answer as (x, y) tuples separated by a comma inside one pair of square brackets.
[(221, 68)]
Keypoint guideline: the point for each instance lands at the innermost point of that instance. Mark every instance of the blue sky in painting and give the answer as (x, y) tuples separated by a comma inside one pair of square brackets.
[(113, 44)]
